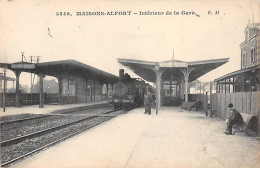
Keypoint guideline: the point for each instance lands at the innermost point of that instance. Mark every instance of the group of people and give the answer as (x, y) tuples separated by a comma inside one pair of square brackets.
[(149, 102)]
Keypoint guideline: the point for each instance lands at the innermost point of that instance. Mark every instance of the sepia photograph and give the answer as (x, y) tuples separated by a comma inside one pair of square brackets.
[(129, 83)]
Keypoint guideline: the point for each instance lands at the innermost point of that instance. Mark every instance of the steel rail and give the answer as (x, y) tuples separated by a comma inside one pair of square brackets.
[(39, 117), (64, 111), (5, 129), (45, 131), (25, 119)]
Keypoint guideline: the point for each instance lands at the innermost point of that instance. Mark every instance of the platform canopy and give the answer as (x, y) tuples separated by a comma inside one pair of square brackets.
[(64, 69), (70, 68), (181, 71), (146, 69)]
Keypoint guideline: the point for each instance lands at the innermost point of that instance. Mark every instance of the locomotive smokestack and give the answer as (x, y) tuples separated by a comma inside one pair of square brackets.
[(121, 74)]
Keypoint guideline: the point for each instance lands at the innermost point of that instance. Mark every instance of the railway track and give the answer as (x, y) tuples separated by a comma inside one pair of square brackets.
[(8, 124), (17, 148), (41, 132), (14, 124), (3, 123)]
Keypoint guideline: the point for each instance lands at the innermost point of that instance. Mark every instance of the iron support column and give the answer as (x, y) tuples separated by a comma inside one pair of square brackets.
[(107, 90), (91, 92), (182, 90), (186, 73), (158, 87), (1, 90), (76, 90), (60, 80), (200, 87), (41, 105), (17, 91), (86, 91), (4, 90), (210, 98), (94, 90), (229, 85), (186, 87), (206, 103)]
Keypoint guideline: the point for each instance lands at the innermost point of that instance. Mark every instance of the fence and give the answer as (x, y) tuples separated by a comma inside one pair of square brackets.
[(50, 98), (9, 99), (28, 99), (244, 102)]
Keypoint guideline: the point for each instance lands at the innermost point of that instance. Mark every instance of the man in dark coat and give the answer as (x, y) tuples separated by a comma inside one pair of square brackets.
[(149, 103), (153, 101), (145, 104), (235, 118)]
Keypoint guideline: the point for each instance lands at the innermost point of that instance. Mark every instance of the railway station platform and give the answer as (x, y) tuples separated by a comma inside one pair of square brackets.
[(34, 109), (173, 139)]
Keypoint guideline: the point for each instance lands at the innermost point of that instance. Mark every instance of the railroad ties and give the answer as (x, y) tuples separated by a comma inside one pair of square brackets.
[(32, 134)]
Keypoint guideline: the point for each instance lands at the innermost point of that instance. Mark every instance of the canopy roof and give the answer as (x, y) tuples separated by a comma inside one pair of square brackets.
[(145, 69), (71, 68), (250, 70)]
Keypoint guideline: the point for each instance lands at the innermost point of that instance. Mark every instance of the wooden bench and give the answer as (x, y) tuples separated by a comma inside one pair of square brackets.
[(187, 105), (250, 125)]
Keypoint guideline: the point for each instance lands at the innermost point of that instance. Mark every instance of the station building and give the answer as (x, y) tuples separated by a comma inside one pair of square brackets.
[(248, 77), (77, 83)]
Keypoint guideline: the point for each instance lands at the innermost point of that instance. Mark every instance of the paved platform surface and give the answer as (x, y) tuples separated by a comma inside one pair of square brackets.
[(174, 138), (34, 109)]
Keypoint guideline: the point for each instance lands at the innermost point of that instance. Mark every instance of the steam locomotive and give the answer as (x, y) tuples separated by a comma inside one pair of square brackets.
[(128, 92)]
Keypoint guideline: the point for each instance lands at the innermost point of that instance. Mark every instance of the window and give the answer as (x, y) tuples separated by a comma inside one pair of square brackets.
[(246, 38), (252, 54), (244, 59)]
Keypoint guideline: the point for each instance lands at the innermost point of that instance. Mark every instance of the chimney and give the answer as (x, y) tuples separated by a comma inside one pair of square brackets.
[(121, 75)]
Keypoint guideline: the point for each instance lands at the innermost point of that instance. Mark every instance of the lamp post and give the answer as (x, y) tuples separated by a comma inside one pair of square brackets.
[(4, 71)]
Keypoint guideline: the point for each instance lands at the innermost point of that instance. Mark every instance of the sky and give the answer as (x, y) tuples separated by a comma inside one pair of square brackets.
[(99, 40)]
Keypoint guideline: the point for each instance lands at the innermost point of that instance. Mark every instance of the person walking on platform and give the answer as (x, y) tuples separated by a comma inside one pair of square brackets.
[(235, 118), (153, 101), (145, 104), (149, 103)]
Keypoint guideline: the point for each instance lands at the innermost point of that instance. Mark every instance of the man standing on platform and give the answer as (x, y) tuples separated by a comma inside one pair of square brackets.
[(145, 104), (149, 101)]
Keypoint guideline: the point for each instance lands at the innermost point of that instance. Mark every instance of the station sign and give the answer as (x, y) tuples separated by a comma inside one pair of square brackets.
[(174, 64), (23, 66)]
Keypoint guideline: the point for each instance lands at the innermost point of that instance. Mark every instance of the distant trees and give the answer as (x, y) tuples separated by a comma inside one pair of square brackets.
[(23, 88), (49, 86)]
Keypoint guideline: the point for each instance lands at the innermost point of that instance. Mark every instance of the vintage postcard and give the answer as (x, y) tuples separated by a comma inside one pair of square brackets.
[(130, 83)]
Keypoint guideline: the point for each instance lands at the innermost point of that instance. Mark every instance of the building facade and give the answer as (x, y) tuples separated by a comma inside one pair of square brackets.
[(248, 77), (250, 47)]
